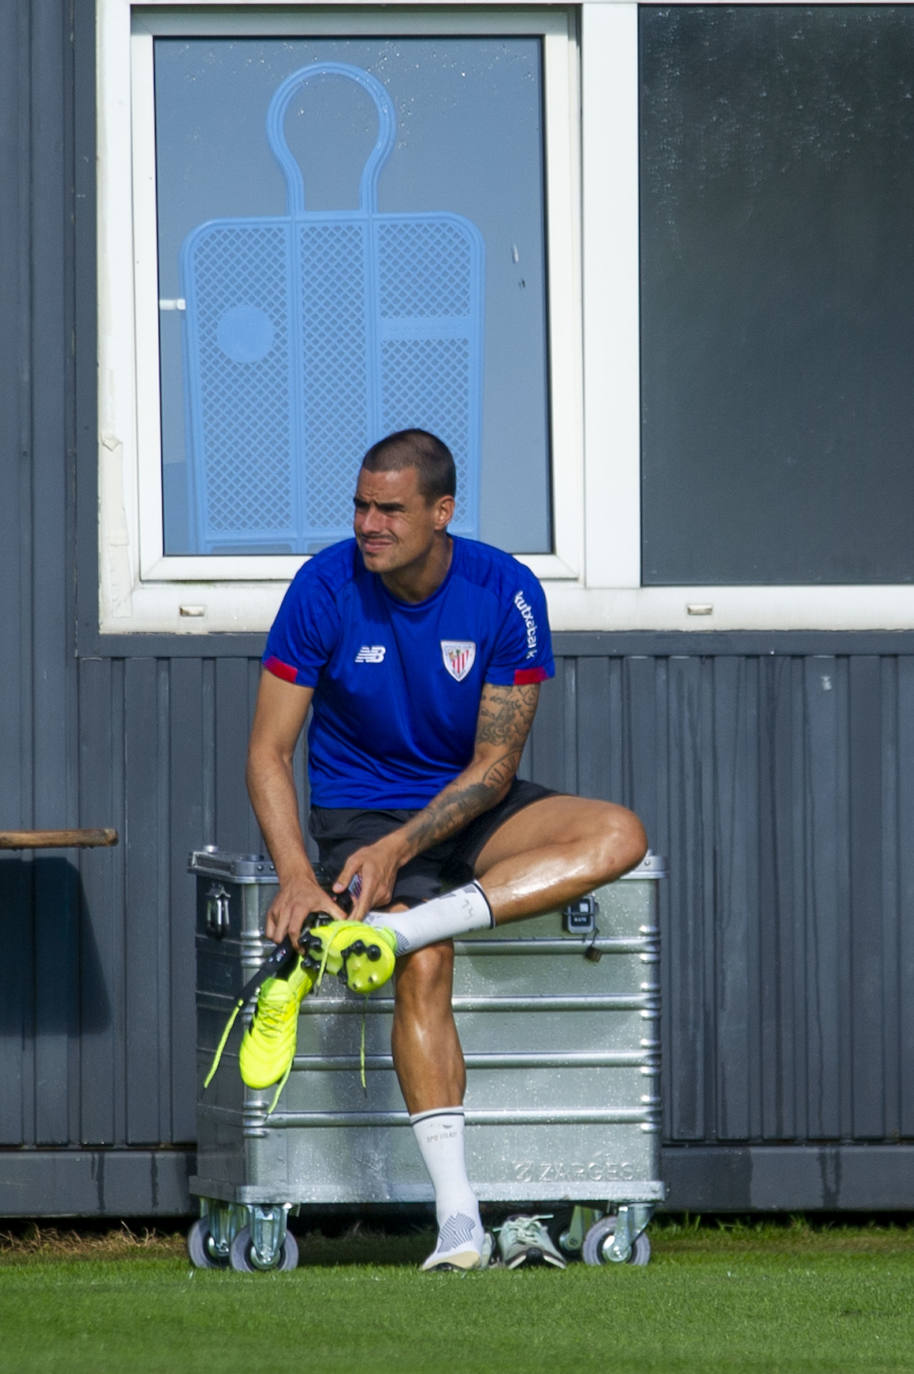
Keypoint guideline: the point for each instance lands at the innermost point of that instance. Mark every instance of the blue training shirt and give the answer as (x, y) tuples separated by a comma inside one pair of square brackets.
[(396, 685)]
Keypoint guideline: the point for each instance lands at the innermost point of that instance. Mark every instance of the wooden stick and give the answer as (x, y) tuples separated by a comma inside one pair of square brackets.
[(56, 839)]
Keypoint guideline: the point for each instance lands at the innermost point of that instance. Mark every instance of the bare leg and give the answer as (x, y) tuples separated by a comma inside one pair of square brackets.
[(554, 851), (432, 1076), (545, 856), (541, 858), (426, 1049)]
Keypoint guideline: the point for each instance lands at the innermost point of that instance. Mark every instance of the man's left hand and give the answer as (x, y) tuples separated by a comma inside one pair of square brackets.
[(376, 867)]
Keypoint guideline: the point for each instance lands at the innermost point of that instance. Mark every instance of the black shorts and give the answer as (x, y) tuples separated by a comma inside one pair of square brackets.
[(339, 831)]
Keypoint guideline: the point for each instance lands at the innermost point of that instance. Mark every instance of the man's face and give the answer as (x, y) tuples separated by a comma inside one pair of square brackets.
[(395, 526)]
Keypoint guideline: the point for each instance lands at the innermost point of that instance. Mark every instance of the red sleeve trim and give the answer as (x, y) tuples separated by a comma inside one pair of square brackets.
[(522, 675), (279, 669)]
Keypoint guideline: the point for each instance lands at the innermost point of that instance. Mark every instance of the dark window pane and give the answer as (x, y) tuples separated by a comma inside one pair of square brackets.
[(777, 203)]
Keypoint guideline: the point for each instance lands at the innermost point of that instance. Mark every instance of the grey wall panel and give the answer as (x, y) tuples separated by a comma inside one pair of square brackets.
[(16, 979), (736, 769), (146, 965), (780, 888), (641, 746), (900, 885), (56, 923), (103, 928), (687, 953), (870, 714), (15, 671), (549, 756), (233, 707), (191, 753), (601, 760)]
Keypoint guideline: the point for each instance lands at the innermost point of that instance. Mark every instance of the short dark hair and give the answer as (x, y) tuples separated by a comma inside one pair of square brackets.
[(416, 448)]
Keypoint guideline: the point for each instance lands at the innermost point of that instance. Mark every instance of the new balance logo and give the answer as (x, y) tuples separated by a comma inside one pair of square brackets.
[(371, 653)]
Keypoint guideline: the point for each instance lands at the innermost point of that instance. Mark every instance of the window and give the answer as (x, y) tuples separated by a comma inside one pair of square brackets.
[(343, 224), (747, 419), (693, 410)]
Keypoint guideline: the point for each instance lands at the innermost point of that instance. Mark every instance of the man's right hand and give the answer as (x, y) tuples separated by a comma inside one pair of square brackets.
[(293, 904)]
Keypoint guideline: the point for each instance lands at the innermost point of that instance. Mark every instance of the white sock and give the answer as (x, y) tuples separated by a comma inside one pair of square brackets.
[(453, 913), (439, 1135)]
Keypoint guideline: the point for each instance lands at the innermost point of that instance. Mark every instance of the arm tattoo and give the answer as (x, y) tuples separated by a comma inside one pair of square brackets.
[(505, 717)]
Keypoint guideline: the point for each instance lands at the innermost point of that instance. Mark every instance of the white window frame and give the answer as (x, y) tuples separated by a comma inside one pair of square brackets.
[(593, 579), (142, 588)]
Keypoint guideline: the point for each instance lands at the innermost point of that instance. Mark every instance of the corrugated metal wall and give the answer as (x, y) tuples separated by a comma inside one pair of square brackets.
[(776, 774), (780, 786)]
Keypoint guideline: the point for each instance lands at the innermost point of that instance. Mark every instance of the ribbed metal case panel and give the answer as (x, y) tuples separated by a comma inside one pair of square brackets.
[(561, 1035)]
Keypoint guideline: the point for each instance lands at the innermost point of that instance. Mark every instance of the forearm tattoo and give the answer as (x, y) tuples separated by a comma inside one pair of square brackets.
[(505, 717)]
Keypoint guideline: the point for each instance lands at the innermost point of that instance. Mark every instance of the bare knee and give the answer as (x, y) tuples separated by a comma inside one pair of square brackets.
[(622, 842), (425, 978)]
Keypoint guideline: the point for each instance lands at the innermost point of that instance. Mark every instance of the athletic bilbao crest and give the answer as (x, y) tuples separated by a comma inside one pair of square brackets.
[(459, 656)]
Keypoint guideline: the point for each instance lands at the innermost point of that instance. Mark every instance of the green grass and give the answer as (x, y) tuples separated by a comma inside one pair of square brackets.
[(775, 1298)]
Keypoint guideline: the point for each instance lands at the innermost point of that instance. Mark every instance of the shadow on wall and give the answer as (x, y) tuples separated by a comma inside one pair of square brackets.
[(51, 976)]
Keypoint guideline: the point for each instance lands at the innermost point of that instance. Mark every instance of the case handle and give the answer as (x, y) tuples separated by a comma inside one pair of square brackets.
[(387, 131)]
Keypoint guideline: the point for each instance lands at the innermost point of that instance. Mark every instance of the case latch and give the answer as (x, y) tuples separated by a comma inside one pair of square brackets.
[(580, 917), (218, 917)]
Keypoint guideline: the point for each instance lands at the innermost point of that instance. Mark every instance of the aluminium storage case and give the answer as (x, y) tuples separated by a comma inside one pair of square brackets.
[(559, 1020)]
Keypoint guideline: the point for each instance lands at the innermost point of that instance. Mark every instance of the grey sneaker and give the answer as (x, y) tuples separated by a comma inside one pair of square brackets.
[(525, 1240)]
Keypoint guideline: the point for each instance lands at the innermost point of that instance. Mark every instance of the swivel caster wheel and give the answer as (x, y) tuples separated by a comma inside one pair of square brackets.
[(202, 1248), (597, 1247), (245, 1259)]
